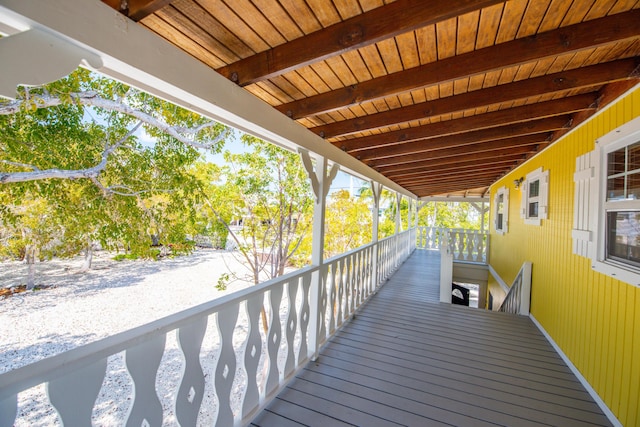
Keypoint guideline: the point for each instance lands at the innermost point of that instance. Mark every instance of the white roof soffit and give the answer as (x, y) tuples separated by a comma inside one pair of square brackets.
[(136, 56)]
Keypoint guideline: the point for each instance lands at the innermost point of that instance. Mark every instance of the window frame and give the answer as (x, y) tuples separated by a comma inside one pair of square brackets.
[(504, 192), (621, 137), (542, 198)]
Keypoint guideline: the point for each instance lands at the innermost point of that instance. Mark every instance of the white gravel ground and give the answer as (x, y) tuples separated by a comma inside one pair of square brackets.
[(110, 298)]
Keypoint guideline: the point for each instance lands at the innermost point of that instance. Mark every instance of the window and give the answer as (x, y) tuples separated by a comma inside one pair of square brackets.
[(501, 203), (535, 196), (607, 204), (622, 205)]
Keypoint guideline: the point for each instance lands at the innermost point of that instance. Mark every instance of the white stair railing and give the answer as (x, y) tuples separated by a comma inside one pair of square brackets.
[(518, 298), (464, 245), (232, 362)]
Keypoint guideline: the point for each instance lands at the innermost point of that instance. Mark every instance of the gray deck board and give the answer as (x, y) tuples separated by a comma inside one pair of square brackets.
[(406, 359)]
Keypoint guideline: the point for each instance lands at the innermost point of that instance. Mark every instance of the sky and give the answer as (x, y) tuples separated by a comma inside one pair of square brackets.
[(343, 180)]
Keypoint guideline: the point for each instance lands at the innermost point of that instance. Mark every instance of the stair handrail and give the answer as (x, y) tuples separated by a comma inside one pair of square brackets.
[(518, 299)]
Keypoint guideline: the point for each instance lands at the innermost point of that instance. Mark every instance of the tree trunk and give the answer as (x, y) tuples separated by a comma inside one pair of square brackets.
[(88, 256), (30, 258)]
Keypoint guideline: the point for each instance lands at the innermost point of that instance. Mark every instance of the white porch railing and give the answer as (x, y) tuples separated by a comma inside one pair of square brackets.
[(228, 357), (518, 299), (464, 245)]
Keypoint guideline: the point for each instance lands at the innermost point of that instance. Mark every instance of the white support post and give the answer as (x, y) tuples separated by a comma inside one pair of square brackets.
[(525, 289), (376, 189), (409, 219), (398, 222), (446, 270), (320, 183)]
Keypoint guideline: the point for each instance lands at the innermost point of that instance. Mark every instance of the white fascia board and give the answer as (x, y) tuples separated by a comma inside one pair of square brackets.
[(138, 57)]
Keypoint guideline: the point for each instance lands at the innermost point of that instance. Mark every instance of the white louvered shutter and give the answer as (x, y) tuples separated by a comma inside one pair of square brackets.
[(543, 198), (583, 223)]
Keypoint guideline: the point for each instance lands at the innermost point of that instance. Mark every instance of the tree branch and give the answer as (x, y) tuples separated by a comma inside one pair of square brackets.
[(21, 165), (87, 173), (10, 177), (92, 99)]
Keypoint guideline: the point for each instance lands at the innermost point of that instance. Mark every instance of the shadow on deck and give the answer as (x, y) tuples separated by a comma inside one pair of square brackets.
[(406, 359)]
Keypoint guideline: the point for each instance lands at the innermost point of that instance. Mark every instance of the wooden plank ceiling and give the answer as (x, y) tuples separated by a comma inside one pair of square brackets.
[(442, 96)]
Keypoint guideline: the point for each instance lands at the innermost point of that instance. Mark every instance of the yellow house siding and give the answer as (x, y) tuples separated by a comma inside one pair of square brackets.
[(594, 318)]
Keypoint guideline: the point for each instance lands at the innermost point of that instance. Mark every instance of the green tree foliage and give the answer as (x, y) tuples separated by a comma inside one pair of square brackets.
[(452, 215), (263, 198), (348, 222), (388, 207), (73, 149)]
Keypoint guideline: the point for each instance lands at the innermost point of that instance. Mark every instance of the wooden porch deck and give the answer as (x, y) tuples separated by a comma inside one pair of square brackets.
[(408, 360)]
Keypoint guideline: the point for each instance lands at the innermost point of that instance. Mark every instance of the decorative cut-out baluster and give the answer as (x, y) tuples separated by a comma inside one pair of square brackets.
[(359, 282), (339, 286), (348, 286), (273, 338), (292, 325), (252, 352), (304, 317), (322, 326), (355, 282), (341, 292), (142, 362), (226, 367), (191, 391), (366, 274), (475, 254), (332, 279), (74, 394), (362, 276), (8, 410)]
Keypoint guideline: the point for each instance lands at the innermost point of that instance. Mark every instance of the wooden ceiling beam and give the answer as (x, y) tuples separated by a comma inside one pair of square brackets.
[(606, 95), (500, 144), (590, 76), (137, 10), (426, 171), (476, 172), (474, 179), (449, 184), (422, 190), (446, 176), (504, 117), (424, 193), (573, 38), (514, 154), (549, 124), (453, 166), (381, 23)]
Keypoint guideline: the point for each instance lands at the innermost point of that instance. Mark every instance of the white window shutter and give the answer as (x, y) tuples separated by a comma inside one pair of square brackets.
[(543, 200), (495, 209), (524, 193), (504, 191), (582, 233), (505, 217)]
